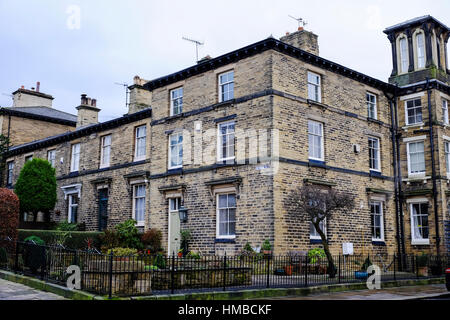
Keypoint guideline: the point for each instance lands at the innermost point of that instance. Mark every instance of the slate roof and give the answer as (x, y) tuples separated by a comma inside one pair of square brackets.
[(42, 113)]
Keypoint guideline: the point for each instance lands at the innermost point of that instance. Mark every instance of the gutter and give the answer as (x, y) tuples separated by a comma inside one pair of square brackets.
[(433, 169)]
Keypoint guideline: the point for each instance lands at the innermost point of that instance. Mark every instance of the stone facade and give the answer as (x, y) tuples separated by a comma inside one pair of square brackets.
[(271, 107)]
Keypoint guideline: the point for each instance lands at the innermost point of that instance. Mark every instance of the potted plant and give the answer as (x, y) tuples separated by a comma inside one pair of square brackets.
[(422, 265), (288, 270), (266, 248), (362, 272), (185, 237), (180, 253)]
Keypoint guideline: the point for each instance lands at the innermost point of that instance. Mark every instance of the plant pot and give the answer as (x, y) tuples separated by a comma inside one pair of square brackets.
[(423, 271), (180, 254), (288, 270), (361, 275), (267, 252)]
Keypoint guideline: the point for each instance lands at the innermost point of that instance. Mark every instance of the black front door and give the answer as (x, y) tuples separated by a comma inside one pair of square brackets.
[(102, 209)]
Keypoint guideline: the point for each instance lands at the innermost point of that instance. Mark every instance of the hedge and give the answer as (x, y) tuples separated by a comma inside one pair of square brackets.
[(76, 240), (9, 215)]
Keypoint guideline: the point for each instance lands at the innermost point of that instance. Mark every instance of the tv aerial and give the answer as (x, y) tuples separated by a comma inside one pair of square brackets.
[(127, 92), (300, 21), (197, 43)]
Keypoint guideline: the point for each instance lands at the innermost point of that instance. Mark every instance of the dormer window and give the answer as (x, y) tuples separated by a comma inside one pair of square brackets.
[(420, 50), (403, 55)]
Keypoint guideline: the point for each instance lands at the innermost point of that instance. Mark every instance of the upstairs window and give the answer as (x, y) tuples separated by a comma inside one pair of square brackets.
[(314, 87), (226, 86), (371, 101), (9, 173), (225, 141), (416, 158), (176, 101), (105, 151), (445, 111), (413, 111), (75, 160), (420, 51), (374, 154), (315, 140), (403, 55), (140, 143), (175, 150), (51, 157)]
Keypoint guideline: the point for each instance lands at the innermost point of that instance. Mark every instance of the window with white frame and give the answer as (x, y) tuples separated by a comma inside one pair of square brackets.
[(403, 55), (313, 234), (51, 157), (176, 150), (226, 86), (416, 158), (176, 101), (105, 153), (9, 173), (72, 214), (413, 111), (447, 156), (374, 154), (174, 204), (139, 204), (419, 223), (75, 159), (377, 223), (315, 140), (225, 141), (445, 111), (140, 143), (371, 101), (420, 50), (314, 87), (226, 215)]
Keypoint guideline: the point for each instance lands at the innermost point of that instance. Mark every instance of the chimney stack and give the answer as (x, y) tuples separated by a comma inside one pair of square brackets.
[(302, 39), (31, 97), (87, 112), (140, 98)]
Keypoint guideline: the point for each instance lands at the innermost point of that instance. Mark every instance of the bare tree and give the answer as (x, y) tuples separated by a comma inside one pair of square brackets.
[(316, 204)]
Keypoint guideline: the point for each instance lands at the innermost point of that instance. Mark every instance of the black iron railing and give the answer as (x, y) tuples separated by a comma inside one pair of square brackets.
[(144, 274)]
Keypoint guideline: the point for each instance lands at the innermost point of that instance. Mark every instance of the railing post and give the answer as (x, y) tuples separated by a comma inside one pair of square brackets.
[(268, 272), (339, 269), (224, 271), (417, 266), (172, 275), (306, 271), (16, 259), (395, 275), (110, 274)]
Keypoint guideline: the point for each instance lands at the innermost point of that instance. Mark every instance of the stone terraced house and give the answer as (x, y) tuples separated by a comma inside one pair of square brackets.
[(228, 140)]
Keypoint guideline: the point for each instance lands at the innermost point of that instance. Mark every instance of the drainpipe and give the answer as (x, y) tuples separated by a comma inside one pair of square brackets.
[(397, 174), (433, 169)]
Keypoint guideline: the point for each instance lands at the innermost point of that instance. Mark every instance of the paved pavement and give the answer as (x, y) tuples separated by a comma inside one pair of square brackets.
[(15, 291), (398, 293)]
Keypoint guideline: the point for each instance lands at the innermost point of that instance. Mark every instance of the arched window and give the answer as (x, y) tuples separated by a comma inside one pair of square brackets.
[(403, 55), (420, 50)]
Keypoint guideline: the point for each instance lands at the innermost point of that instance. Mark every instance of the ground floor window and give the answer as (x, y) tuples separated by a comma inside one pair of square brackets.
[(419, 223), (226, 215), (313, 234), (139, 203), (377, 225), (72, 214)]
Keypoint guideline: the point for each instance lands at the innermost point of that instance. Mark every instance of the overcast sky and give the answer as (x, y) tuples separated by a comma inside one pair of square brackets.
[(114, 41)]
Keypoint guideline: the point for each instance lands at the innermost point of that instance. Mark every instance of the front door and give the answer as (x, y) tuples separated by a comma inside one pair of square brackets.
[(102, 209), (174, 226)]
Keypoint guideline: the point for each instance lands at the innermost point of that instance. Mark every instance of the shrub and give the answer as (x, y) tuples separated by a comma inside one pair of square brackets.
[(122, 252), (109, 239), (151, 239), (3, 257), (160, 261), (74, 239), (66, 226), (9, 216), (422, 260), (36, 188), (315, 254), (266, 245), (129, 235), (36, 240), (193, 255)]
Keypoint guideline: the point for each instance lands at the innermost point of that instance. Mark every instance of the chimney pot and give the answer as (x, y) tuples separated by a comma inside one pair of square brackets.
[(38, 84), (88, 101), (287, 33), (300, 28), (22, 87), (94, 102), (83, 99)]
